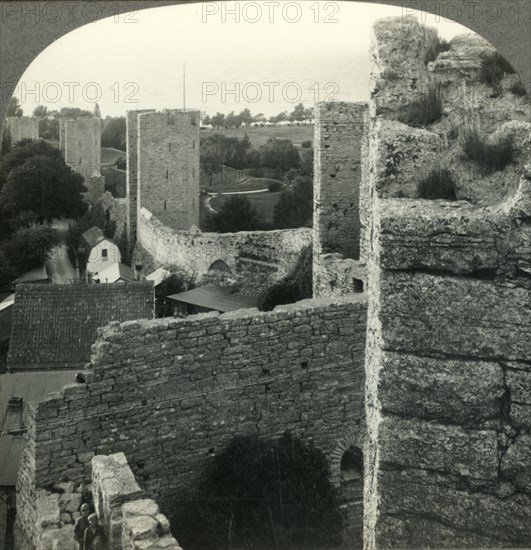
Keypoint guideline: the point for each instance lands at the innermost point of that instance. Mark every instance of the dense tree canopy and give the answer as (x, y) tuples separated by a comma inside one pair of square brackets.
[(294, 208), (36, 179), (280, 154), (114, 133), (236, 214), (25, 250)]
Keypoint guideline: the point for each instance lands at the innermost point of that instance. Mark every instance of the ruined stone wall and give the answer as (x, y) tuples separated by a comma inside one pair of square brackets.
[(129, 520), (24, 127), (168, 166), (82, 145), (132, 173), (340, 130), (192, 384), (448, 393), (334, 275), (268, 254)]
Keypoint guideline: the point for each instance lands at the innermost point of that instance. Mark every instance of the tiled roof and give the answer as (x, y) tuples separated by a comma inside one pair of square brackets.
[(92, 237), (54, 326), (214, 297), (31, 387)]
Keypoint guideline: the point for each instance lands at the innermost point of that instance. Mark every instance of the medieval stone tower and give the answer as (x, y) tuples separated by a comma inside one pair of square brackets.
[(24, 127), (80, 142), (167, 168), (337, 223)]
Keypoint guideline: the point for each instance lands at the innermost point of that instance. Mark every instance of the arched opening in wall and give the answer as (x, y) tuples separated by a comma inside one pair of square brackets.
[(221, 266), (351, 496)]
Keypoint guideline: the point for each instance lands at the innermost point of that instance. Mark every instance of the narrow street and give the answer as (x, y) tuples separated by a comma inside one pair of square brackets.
[(58, 265)]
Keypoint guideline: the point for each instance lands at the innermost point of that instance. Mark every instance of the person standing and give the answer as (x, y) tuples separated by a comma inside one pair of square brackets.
[(94, 538), (81, 524)]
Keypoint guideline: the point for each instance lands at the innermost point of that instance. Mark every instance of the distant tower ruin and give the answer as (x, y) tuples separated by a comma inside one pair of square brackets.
[(167, 168), (24, 127), (80, 143), (338, 202), (338, 143)]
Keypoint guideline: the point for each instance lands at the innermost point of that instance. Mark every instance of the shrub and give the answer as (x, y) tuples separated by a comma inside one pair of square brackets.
[(236, 214), (493, 69), (274, 186), (435, 49), (263, 493), (489, 157), (437, 185), (292, 288), (518, 88), (425, 111)]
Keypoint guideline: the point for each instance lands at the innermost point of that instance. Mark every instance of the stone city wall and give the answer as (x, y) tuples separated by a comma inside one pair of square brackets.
[(268, 254), (191, 385), (448, 393), (82, 145), (24, 127)]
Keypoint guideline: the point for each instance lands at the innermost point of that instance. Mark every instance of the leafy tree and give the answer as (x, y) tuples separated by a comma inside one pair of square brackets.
[(307, 162), (280, 154), (14, 108), (25, 250), (172, 284), (263, 493), (292, 288), (298, 114), (114, 133), (45, 185), (236, 214), (279, 118), (306, 144), (218, 120), (97, 111), (40, 111), (73, 112), (23, 151), (246, 117), (295, 206), (207, 120), (232, 121)]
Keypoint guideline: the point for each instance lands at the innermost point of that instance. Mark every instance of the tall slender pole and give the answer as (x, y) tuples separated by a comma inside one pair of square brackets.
[(184, 86)]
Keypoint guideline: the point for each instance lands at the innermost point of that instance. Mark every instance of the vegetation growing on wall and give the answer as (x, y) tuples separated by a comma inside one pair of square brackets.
[(292, 288), (441, 45), (235, 214), (437, 185), (489, 157), (493, 68), (426, 110), (263, 494)]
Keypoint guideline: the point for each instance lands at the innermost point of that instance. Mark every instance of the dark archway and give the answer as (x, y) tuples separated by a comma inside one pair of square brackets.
[(351, 496)]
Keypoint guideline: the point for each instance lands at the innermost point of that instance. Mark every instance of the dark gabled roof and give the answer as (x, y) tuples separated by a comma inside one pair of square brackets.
[(36, 275), (31, 387), (92, 237), (215, 297), (54, 326)]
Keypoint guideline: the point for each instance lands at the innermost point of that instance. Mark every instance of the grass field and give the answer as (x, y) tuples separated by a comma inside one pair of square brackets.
[(263, 202), (109, 156), (258, 136)]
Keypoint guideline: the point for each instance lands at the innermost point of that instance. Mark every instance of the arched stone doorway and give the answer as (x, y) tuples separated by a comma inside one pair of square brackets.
[(351, 496)]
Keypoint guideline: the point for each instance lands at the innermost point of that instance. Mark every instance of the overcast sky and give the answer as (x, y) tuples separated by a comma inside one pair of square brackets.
[(311, 50)]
